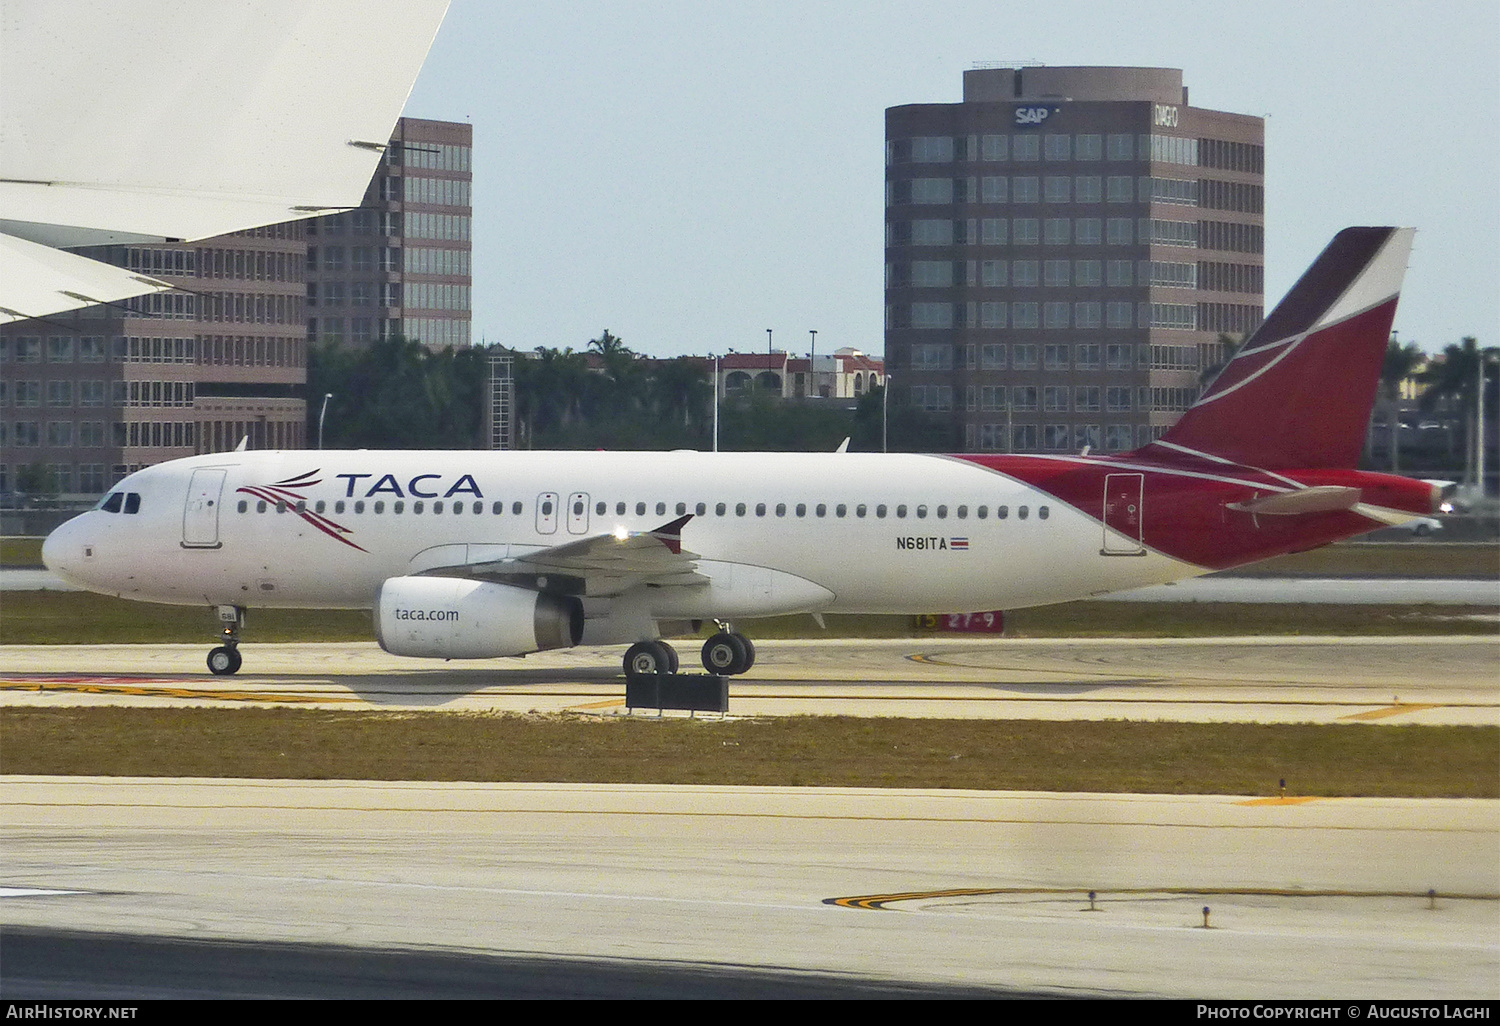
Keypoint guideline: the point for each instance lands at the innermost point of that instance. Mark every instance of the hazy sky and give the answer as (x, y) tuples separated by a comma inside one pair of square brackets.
[(690, 174)]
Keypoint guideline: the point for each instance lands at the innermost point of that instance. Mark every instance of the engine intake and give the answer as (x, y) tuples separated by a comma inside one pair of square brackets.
[(458, 618)]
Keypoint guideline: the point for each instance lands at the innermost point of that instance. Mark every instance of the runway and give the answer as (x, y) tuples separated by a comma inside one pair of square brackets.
[(878, 888), (1433, 680)]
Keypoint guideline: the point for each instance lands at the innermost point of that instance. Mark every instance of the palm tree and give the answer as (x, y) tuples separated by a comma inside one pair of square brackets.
[(1454, 374), (1400, 362)]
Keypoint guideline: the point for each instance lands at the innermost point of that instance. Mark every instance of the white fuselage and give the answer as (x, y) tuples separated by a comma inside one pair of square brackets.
[(773, 533)]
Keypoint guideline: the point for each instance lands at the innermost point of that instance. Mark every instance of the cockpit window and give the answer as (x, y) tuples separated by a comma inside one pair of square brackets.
[(132, 502), (111, 503)]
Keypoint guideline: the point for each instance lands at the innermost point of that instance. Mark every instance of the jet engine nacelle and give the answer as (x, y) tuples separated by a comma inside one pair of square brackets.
[(458, 618)]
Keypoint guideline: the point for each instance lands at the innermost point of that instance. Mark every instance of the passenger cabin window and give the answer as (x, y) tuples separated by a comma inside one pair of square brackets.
[(1001, 512), (359, 505), (280, 506), (982, 512), (338, 507), (398, 507), (600, 508), (1021, 512), (701, 509), (822, 510), (921, 512), (880, 511), (320, 507), (515, 509), (640, 509), (260, 507), (378, 507), (781, 509), (841, 510), (1042, 512), (901, 512), (859, 510), (719, 509), (739, 509), (244, 506), (661, 509), (802, 509), (942, 512), (681, 508), (498, 508), (963, 512), (619, 509), (760, 509)]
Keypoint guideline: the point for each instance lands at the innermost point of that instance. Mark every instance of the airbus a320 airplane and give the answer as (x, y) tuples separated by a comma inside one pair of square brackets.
[(484, 554)]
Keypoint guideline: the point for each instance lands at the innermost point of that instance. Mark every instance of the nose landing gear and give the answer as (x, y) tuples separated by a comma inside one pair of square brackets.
[(225, 659)]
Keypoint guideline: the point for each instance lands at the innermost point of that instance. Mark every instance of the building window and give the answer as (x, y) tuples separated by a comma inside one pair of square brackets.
[(1121, 147), (1025, 189)]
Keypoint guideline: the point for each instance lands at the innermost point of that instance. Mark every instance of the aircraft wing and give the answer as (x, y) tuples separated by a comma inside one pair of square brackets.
[(42, 278), (150, 122), (604, 564)]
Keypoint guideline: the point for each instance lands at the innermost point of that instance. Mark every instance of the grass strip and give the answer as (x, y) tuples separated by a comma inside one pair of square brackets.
[(1149, 757), (71, 618)]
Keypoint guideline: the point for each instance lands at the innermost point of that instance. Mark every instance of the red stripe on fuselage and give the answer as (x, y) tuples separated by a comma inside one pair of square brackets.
[(1185, 506)]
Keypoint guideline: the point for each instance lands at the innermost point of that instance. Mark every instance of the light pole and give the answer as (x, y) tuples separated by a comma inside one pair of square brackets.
[(716, 402), (321, 414), (812, 362), (770, 359)]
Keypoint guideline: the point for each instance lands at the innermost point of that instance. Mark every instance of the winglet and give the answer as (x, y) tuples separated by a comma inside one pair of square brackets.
[(670, 535)]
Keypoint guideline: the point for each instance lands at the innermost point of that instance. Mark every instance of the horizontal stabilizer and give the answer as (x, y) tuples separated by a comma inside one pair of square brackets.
[(1323, 499)]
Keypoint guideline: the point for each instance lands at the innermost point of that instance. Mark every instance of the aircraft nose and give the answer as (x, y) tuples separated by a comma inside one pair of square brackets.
[(62, 551), (52, 549)]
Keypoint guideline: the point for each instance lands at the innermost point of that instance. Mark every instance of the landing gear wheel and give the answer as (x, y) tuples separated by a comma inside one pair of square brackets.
[(672, 662), (647, 659), (726, 654), (223, 661), (749, 653)]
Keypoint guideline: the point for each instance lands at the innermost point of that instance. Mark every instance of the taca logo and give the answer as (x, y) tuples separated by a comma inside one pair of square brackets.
[(1032, 115), (416, 487)]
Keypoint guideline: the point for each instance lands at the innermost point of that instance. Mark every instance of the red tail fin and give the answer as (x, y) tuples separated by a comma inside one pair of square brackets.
[(1299, 392)]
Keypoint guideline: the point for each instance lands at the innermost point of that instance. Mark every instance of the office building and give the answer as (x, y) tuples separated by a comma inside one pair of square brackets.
[(1064, 250), (94, 394), (400, 263)]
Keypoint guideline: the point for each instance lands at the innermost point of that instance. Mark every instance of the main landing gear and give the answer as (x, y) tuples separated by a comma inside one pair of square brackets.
[(225, 659), (726, 654)]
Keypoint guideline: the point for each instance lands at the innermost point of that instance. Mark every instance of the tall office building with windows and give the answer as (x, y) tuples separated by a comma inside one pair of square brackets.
[(400, 263), (1064, 251)]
